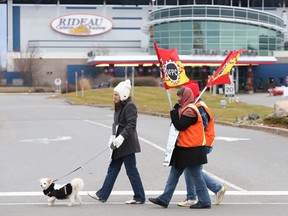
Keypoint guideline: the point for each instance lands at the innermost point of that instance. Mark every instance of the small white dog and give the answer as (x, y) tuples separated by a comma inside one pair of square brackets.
[(68, 191)]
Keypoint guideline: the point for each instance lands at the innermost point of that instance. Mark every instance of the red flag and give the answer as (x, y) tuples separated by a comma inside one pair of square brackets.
[(172, 70), (221, 76)]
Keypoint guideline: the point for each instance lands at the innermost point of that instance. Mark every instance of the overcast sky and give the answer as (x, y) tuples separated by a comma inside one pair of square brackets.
[(3, 32)]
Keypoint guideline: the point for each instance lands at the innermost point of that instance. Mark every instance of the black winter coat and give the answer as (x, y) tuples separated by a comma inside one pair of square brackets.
[(125, 117)]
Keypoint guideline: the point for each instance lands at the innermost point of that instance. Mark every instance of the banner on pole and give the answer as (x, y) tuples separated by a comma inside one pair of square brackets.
[(172, 71)]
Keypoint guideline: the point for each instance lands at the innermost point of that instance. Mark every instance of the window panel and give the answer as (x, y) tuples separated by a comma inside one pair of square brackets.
[(213, 25), (213, 33)]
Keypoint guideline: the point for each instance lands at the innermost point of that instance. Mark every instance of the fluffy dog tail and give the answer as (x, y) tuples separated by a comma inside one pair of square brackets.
[(77, 183)]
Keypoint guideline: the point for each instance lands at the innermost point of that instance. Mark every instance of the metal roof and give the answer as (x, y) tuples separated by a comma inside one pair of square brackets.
[(185, 59)]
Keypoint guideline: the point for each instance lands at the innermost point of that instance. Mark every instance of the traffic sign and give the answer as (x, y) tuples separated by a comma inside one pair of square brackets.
[(229, 91), (57, 81)]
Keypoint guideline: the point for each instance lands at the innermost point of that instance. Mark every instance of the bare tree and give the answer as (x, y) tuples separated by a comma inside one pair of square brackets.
[(99, 51), (29, 63), (2, 64)]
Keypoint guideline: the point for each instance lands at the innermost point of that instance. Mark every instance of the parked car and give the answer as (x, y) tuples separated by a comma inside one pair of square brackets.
[(278, 90)]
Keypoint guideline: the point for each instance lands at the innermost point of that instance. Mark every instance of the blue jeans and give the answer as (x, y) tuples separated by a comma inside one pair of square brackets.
[(196, 176), (211, 183), (132, 173)]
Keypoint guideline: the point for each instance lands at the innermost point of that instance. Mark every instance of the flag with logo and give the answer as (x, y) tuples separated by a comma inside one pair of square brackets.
[(172, 70), (221, 76)]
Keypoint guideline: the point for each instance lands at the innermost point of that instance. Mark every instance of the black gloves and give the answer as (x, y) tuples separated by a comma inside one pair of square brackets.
[(174, 115), (176, 106)]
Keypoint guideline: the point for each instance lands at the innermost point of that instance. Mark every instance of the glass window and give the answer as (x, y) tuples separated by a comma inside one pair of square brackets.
[(240, 40), (156, 34), (186, 47), (227, 33), (226, 13), (227, 40), (213, 25), (164, 13), (263, 18), (253, 46), (240, 14), (272, 20), (240, 46), (225, 25), (252, 15), (186, 11), (198, 40), (186, 33), (174, 12), (197, 26), (199, 11), (213, 46), (174, 26), (227, 46), (163, 34), (263, 39), (213, 39), (252, 40), (272, 40), (186, 25), (240, 33), (174, 34), (199, 33), (174, 40), (186, 52), (175, 46), (242, 27), (186, 40), (213, 33), (213, 12), (263, 46), (272, 47)]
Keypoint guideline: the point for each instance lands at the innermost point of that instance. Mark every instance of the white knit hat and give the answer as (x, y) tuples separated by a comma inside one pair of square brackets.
[(123, 89)]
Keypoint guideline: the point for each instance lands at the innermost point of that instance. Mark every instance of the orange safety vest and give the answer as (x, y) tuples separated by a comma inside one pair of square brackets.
[(194, 135), (209, 132)]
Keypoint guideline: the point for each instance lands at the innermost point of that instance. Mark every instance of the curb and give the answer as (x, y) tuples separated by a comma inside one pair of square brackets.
[(273, 130)]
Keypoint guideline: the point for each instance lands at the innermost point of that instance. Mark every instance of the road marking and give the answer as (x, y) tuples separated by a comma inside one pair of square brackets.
[(229, 184), (60, 203), (231, 139), (47, 140), (93, 122), (156, 192)]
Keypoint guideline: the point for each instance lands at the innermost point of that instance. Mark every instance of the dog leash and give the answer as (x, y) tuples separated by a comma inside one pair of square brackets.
[(80, 167)]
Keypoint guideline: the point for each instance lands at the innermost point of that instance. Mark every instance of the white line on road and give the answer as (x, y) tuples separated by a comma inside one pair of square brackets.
[(128, 193), (121, 203)]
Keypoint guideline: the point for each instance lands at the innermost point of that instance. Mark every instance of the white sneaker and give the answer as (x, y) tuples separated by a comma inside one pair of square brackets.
[(187, 203), (220, 195), (94, 196), (134, 202)]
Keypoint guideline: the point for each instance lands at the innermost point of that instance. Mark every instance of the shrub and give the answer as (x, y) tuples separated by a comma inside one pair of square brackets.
[(276, 121)]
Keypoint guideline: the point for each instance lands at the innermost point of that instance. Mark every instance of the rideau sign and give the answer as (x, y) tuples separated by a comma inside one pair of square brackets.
[(81, 24)]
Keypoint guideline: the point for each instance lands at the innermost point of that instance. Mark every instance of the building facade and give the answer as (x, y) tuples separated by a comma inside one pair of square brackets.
[(54, 37)]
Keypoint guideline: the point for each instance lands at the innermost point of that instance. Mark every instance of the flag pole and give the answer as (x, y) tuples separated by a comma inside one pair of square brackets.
[(169, 98), (197, 99)]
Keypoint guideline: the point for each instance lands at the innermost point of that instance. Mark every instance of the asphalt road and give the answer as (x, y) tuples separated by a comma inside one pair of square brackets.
[(263, 99), (45, 137)]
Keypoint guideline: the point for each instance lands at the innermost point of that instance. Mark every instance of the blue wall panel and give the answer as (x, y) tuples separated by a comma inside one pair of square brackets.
[(16, 28), (265, 74)]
